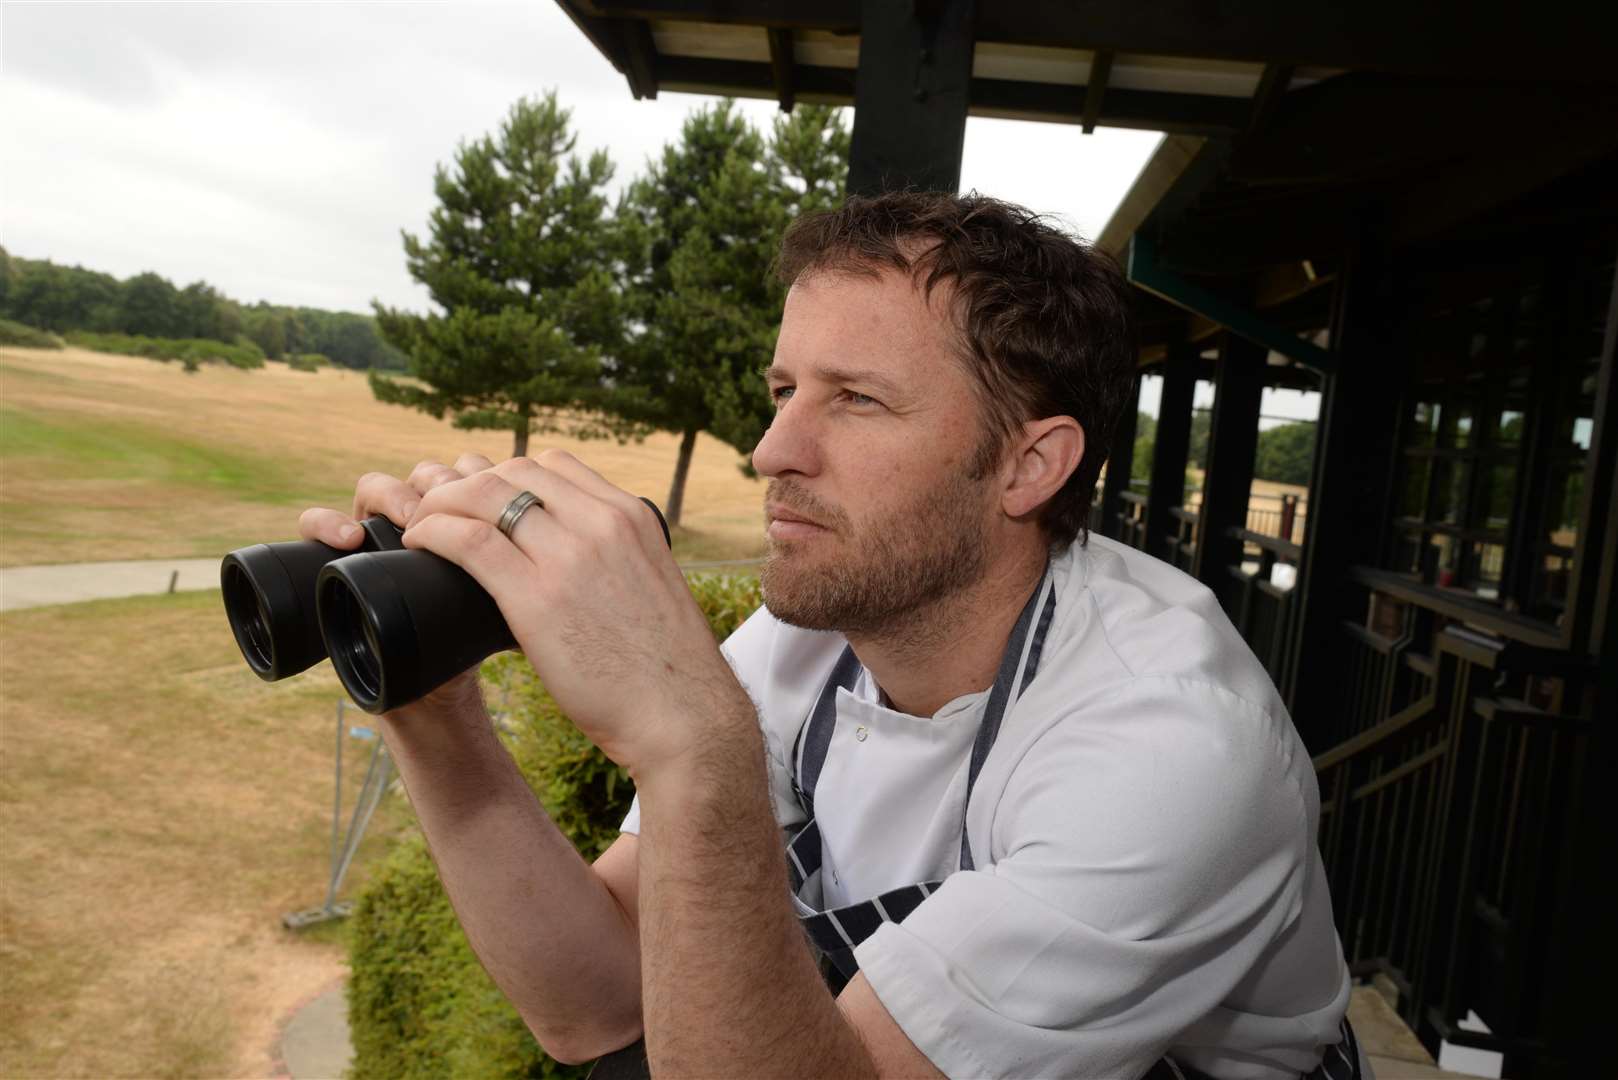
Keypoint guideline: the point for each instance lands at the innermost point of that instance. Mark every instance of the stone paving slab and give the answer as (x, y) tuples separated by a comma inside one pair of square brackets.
[(315, 1045), (67, 583)]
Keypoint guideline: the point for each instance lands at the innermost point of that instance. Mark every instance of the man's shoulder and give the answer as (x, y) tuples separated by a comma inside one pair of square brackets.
[(1126, 616)]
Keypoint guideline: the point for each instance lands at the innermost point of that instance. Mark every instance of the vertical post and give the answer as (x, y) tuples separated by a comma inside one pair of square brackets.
[(1350, 493), (910, 95), (1289, 517), (1120, 463), (1232, 443), (1170, 448)]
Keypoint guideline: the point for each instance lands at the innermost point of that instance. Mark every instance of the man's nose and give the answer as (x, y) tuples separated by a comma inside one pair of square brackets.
[(789, 445)]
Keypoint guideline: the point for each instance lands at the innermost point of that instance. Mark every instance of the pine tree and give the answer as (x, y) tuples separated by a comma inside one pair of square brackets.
[(522, 258), (705, 223)]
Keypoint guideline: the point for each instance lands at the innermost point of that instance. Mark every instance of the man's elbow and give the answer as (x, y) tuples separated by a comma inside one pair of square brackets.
[(577, 1044)]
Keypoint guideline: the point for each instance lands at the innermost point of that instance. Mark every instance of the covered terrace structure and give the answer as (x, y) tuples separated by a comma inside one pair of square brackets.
[(1411, 210)]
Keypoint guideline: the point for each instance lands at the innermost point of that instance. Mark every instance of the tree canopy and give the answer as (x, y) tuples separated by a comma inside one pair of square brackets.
[(48, 296), (522, 257), (704, 224)]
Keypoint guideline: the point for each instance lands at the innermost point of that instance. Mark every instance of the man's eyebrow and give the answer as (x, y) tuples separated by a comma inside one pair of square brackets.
[(860, 376)]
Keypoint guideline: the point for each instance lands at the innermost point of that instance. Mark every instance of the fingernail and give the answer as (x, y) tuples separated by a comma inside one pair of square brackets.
[(348, 532)]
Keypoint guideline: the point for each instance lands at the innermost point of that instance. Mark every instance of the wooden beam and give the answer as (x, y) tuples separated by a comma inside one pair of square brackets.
[(1561, 43), (1147, 110), (1171, 446), (1232, 445), (1096, 89), (910, 97), (1120, 464), (1272, 87), (1173, 156), (1146, 272), (781, 63), (1351, 485), (642, 59)]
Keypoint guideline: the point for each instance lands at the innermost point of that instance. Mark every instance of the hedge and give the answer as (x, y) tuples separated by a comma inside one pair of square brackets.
[(420, 1006), (16, 333), (189, 351)]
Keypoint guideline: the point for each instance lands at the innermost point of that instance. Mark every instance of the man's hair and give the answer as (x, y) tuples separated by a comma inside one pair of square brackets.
[(1043, 319)]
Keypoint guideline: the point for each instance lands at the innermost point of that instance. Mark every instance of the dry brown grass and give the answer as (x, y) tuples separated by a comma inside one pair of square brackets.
[(160, 809), (116, 457)]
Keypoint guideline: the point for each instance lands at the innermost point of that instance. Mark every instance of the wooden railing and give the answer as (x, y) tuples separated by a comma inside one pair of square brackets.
[(1132, 519), (1442, 805), (1260, 601)]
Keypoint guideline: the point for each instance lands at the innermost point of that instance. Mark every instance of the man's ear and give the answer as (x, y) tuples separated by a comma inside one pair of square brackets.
[(1042, 458)]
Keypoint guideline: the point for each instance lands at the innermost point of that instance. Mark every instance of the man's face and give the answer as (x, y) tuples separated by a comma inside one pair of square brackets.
[(879, 501)]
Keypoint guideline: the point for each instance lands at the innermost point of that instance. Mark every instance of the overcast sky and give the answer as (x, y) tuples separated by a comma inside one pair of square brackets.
[(275, 150)]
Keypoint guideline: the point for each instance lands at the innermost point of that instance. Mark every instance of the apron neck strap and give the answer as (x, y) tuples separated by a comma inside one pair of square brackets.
[(1017, 668)]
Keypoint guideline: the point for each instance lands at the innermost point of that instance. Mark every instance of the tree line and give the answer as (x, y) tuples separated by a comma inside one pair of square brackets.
[(561, 310), (62, 299), (1285, 453)]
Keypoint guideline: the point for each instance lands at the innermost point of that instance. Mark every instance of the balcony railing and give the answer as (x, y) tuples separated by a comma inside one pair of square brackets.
[(1443, 802)]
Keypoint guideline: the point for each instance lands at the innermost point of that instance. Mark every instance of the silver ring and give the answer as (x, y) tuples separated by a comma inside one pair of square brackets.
[(515, 509)]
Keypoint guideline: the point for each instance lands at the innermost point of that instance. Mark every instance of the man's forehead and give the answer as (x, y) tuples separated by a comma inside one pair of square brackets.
[(889, 302)]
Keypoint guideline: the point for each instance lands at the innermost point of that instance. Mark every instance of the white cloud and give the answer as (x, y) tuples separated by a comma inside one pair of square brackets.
[(276, 150)]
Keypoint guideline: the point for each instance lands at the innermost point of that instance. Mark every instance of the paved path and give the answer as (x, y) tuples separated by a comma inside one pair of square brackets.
[(315, 1045), (66, 583)]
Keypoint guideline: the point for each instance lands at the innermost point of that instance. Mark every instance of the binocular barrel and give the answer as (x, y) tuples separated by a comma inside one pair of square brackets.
[(397, 624)]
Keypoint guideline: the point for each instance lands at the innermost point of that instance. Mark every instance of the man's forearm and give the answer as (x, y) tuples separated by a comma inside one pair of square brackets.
[(729, 985), (542, 922)]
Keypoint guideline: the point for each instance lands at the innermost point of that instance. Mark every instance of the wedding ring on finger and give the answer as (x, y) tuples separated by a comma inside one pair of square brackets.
[(515, 510)]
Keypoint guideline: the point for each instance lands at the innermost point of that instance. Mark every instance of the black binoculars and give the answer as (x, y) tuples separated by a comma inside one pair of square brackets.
[(397, 624)]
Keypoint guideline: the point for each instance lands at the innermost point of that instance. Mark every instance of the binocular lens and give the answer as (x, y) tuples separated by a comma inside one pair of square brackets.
[(358, 654), (249, 619)]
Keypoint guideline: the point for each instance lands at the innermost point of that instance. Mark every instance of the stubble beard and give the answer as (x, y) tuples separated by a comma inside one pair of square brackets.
[(879, 577)]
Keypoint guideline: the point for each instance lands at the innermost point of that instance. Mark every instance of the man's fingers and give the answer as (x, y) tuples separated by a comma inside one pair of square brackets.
[(483, 497), (379, 493), (331, 527), (581, 478), (469, 463)]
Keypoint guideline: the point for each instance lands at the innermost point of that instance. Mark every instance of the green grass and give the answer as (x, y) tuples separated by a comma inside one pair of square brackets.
[(111, 450)]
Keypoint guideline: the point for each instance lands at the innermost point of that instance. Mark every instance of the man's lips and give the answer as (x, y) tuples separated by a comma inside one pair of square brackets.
[(787, 524)]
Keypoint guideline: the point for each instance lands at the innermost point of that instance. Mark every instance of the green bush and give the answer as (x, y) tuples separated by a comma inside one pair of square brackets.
[(420, 1005), (189, 351), (307, 361), (15, 333)]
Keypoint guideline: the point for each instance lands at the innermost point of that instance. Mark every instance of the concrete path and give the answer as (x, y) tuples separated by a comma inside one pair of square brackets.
[(315, 1045), (67, 583)]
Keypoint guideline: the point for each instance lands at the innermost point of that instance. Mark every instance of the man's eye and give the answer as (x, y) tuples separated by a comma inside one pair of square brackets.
[(779, 394), (857, 398)]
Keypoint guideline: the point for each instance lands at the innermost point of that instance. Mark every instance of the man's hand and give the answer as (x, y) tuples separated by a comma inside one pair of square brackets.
[(594, 598), (395, 499)]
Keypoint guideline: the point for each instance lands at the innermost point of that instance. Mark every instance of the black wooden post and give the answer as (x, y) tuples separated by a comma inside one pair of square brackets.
[(1170, 448), (1350, 493), (1120, 463), (910, 95), (1232, 443)]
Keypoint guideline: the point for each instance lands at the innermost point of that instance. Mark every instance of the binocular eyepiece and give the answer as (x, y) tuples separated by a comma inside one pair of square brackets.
[(397, 624)]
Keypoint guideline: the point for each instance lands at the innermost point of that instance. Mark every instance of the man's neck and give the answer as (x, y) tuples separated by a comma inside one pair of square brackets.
[(953, 646)]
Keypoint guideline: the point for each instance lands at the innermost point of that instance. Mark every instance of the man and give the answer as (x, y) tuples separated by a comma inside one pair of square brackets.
[(1048, 815)]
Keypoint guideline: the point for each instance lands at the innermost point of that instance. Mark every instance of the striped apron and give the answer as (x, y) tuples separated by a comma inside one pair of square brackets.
[(835, 933)]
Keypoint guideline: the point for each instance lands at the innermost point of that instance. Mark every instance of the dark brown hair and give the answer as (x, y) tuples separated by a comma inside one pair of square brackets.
[(1044, 319)]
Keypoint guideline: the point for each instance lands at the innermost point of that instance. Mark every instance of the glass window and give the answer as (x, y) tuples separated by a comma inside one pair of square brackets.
[(1508, 432), (1424, 423), (1413, 497), (1449, 491), (1497, 501)]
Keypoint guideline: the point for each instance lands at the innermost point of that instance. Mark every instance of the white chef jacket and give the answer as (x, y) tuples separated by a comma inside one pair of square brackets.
[(1144, 828)]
